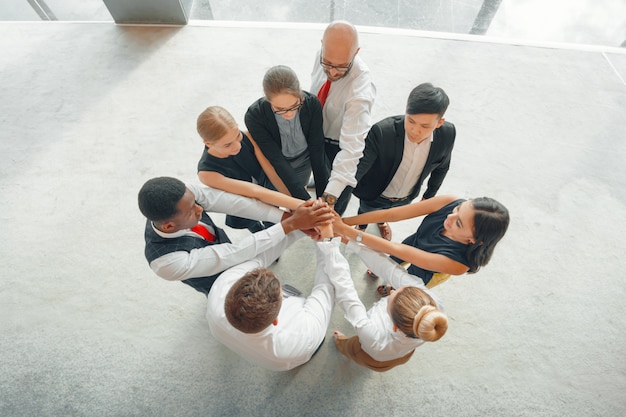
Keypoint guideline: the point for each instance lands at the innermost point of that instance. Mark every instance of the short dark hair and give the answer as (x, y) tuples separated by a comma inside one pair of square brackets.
[(427, 99), (159, 196), (253, 302)]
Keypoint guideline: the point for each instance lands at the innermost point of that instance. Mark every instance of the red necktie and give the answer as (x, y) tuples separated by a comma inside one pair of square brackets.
[(323, 93), (204, 232)]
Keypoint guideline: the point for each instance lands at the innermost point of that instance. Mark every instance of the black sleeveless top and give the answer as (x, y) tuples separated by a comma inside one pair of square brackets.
[(429, 238), (244, 166)]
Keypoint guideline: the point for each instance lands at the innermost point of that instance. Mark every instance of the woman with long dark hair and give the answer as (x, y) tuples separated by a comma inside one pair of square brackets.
[(455, 237)]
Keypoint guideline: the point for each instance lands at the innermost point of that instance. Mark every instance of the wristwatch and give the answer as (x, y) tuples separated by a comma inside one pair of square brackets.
[(329, 198), (359, 237)]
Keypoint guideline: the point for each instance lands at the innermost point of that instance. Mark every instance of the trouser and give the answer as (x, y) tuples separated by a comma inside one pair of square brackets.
[(242, 223), (301, 166), (351, 348), (253, 226), (380, 203), (332, 149)]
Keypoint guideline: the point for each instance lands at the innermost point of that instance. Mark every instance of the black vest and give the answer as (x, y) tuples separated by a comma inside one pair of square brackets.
[(157, 246)]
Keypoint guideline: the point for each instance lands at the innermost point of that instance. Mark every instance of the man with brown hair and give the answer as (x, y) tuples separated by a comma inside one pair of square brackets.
[(249, 312), (254, 301)]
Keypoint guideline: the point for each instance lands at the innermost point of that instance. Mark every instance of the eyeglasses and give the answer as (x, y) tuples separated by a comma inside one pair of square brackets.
[(339, 68), (285, 111)]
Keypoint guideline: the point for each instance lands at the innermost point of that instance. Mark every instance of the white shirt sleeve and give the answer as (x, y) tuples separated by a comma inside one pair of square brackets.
[(338, 270), (220, 201), (356, 124), (371, 335), (390, 270), (213, 259), (386, 268)]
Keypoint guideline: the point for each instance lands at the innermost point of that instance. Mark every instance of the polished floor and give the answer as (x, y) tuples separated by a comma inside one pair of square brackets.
[(90, 111), (585, 22)]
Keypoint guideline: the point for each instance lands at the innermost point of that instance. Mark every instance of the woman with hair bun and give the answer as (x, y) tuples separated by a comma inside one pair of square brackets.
[(389, 332), (413, 313)]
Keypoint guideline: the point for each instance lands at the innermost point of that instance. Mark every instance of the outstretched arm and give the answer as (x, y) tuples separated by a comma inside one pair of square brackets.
[(384, 267), (395, 214), (268, 168), (248, 189), (336, 267), (418, 257)]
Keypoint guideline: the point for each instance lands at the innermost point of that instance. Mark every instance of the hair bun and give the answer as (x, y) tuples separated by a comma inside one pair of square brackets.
[(430, 324)]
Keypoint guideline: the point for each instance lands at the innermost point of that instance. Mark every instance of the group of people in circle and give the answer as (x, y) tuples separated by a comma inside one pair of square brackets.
[(323, 141)]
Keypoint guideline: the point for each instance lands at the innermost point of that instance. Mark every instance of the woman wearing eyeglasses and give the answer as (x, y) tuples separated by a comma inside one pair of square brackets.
[(286, 124)]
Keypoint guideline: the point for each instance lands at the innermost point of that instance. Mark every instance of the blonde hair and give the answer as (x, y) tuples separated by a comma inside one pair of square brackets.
[(214, 122), (416, 314)]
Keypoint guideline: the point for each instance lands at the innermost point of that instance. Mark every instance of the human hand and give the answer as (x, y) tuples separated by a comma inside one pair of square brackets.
[(339, 226), (310, 214), (326, 231)]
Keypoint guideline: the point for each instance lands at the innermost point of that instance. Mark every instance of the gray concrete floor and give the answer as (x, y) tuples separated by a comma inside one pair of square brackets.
[(89, 111)]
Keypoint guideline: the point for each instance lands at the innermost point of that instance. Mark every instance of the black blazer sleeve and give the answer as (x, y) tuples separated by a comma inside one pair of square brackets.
[(382, 155), (444, 141), (373, 142), (312, 127)]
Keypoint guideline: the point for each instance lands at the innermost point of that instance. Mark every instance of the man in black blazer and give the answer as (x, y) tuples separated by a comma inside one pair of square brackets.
[(401, 151)]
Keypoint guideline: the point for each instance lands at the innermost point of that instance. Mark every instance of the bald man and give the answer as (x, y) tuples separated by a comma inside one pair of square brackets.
[(344, 86)]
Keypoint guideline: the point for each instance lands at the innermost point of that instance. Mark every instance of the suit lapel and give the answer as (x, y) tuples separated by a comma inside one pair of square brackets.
[(398, 146), (273, 124)]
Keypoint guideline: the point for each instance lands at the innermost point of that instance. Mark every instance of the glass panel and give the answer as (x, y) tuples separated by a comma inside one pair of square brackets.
[(79, 10), (594, 22)]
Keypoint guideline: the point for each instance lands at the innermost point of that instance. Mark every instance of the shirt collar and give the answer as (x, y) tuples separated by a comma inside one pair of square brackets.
[(406, 139), (169, 235)]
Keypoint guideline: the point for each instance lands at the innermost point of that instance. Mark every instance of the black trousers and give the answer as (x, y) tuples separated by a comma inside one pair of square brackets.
[(332, 149)]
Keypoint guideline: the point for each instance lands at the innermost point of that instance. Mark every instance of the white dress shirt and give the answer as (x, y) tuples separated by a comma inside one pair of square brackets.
[(302, 323), (374, 327), (410, 169), (212, 259), (347, 118)]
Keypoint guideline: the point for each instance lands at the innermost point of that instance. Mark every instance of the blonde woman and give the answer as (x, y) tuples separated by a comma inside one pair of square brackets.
[(229, 163), (388, 333)]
